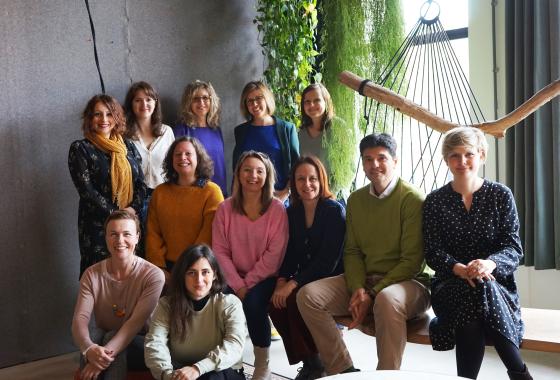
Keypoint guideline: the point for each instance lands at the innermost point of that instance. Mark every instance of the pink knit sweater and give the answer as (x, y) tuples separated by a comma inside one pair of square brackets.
[(249, 251)]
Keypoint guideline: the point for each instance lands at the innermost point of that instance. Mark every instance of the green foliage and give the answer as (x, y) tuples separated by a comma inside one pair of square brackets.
[(357, 35), (287, 36), (360, 36)]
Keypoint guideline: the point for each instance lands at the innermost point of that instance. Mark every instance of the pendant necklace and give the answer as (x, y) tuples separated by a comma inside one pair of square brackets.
[(120, 312)]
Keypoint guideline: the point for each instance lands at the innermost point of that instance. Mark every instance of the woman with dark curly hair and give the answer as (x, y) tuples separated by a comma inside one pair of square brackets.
[(105, 169), (182, 209), (197, 332)]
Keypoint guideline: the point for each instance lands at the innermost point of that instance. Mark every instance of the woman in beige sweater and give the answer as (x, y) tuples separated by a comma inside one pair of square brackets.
[(121, 293), (197, 332)]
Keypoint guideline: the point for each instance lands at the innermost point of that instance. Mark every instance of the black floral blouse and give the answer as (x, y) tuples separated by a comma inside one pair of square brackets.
[(90, 171), (489, 230)]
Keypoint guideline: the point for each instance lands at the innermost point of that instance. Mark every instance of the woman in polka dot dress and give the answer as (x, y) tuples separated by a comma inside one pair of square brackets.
[(471, 238)]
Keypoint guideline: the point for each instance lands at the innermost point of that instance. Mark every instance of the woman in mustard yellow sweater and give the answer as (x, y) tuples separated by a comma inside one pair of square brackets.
[(182, 209)]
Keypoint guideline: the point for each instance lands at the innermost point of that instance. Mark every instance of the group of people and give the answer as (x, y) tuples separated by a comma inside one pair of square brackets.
[(280, 246)]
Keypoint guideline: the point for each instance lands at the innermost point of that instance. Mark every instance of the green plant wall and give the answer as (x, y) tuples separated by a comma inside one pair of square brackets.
[(360, 36), (356, 35), (287, 35)]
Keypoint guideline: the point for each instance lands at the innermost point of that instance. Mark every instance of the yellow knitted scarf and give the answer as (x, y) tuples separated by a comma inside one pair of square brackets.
[(121, 173)]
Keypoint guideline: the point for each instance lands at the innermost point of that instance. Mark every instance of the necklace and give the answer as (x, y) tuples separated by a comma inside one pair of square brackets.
[(120, 311)]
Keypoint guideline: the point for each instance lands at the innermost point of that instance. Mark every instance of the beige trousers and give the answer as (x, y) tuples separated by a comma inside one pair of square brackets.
[(320, 301)]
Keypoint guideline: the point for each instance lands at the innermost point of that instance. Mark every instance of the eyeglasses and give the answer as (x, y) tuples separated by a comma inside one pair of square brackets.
[(257, 99), (202, 99)]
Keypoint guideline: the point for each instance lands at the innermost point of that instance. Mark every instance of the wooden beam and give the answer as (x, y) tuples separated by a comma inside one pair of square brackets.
[(495, 128)]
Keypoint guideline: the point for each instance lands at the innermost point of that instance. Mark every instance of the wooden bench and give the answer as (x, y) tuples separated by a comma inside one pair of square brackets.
[(542, 329)]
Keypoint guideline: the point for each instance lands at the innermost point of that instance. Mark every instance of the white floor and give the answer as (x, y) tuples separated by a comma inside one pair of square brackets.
[(543, 365)]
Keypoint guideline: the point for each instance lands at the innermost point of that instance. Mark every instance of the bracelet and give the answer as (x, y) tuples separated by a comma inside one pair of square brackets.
[(86, 350)]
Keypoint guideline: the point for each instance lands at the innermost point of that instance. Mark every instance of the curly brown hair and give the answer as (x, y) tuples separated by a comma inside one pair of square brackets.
[(204, 167), (114, 107)]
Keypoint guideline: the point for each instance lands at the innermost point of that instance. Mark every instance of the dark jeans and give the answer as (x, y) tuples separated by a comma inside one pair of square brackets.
[(226, 374), (255, 306)]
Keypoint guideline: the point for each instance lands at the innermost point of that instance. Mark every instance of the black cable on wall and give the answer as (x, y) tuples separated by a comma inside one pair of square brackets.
[(95, 48)]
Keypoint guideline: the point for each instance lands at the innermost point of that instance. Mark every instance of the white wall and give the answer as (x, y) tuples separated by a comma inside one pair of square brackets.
[(536, 288)]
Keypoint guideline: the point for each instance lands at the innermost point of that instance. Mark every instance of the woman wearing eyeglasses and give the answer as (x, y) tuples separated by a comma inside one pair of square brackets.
[(200, 118), (265, 133)]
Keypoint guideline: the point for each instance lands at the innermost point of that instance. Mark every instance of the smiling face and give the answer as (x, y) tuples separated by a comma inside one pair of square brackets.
[(200, 105), (102, 120), (252, 175), (199, 278), (307, 182), (143, 106), (379, 166), (185, 161), (314, 105), (256, 104), (464, 162), (121, 237)]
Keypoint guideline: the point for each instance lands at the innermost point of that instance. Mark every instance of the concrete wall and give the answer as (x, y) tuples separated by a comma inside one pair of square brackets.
[(534, 285), (47, 74)]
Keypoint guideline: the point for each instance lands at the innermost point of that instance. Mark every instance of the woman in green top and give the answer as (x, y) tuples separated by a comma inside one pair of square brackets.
[(325, 136), (197, 332)]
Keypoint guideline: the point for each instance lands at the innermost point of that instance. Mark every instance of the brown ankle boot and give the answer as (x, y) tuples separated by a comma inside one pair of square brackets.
[(525, 375)]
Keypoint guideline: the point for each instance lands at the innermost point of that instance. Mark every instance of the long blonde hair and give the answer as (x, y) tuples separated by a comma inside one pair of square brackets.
[(268, 188)]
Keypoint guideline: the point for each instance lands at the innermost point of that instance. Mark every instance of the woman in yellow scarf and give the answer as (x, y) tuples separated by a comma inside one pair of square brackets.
[(106, 170)]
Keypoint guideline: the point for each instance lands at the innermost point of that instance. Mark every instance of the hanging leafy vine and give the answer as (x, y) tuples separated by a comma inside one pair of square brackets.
[(287, 30), (360, 36), (356, 35)]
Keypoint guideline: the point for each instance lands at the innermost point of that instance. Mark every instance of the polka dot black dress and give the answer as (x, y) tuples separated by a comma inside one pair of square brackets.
[(489, 230)]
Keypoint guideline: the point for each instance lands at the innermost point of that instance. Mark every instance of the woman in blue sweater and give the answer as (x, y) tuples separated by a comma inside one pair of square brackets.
[(266, 133)]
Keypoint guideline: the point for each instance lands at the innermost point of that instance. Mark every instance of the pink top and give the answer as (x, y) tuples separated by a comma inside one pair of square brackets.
[(135, 298), (249, 251)]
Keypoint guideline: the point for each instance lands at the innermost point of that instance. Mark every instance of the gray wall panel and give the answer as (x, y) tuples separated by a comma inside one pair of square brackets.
[(47, 73)]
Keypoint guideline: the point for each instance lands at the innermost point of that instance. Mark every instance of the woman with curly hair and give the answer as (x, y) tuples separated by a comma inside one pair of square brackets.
[(182, 209), (200, 118), (105, 169)]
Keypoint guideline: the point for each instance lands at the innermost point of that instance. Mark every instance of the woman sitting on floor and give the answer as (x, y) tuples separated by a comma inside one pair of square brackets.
[(471, 240), (197, 332), (121, 292)]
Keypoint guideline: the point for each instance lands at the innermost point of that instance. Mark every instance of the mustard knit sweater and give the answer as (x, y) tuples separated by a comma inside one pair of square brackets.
[(179, 217)]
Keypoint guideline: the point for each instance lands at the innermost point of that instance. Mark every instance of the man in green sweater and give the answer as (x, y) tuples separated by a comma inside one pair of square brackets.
[(384, 268)]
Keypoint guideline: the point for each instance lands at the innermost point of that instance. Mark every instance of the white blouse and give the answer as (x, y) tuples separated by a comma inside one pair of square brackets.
[(152, 158)]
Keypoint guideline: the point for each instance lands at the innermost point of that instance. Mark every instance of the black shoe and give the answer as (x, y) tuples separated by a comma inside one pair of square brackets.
[(350, 369), (524, 375), (303, 373)]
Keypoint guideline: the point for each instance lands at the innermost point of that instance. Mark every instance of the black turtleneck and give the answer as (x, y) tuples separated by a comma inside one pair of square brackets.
[(199, 305)]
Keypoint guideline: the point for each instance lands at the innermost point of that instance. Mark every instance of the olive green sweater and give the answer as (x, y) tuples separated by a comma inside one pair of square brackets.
[(384, 236)]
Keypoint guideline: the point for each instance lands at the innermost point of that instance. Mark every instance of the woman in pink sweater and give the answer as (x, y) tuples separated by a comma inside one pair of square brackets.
[(121, 292), (249, 238)]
